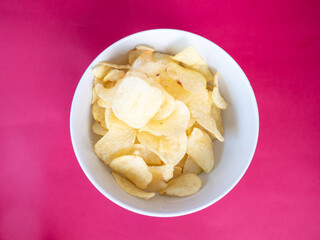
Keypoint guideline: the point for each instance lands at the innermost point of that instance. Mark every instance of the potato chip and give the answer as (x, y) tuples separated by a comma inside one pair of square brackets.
[(98, 114), (130, 188), (174, 88), (112, 121), (182, 161), (145, 48), (97, 80), (183, 186), (136, 74), (191, 58), (191, 167), (158, 183), (100, 71), (162, 57), (136, 102), (175, 125), (116, 142), (170, 151), (114, 75), (106, 95), (94, 96), (117, 66), (133, 55), (177, 172), (98, 129), (199, 110), (216, 114), (216, 96), (148, 156), (200, 149), (190, 80), (134, 168)]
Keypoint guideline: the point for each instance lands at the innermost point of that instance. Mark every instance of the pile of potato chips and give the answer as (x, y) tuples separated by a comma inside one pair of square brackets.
[(157, 116)]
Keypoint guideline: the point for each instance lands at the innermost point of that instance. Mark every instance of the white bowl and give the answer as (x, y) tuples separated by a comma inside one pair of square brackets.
[(232, 158)]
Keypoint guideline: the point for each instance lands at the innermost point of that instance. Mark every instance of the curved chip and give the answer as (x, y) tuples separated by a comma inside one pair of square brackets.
[(216, 96), (134, 168), (117, 66), (98, 114), (98, 129), (174, 125), (183, 186), (200, 149), (191, 167), (106, 95), (112, 121), (177, 171), (201, 112), (133, 55), (170, 151), (160, 177), (166, 108), (114, 75), (136, 102), (130, 188), (100, 71), (145, 48), (148, 156), (191, 58), (216, 114), (116, 142), (190, 80)]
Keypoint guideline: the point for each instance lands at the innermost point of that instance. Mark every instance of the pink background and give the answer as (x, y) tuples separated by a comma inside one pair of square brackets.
[(45, 46)]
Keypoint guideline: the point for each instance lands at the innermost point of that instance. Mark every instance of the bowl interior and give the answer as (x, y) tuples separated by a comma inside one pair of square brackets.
[(232, 157)]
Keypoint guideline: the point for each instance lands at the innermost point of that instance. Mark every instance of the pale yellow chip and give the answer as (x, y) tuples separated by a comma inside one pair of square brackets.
[(94, 96), (182, 161), (112, 121), (191, 167), (191, 58), (100, 71), (199, 110), (177, 171), (98, 114), (136, 102), (158, 182), (200, 149), (174, 88), (145, 48), (130, 188), (185, 185), (134, 168), (216, 96), (174, 125), (190, 80), (98, 129), (170, 151), (148, 156), (117, 66), (106, 95), (116, 142), (145, 64), (162, 57), (114, 75), (136, 74), (133, 55), (216, 114)]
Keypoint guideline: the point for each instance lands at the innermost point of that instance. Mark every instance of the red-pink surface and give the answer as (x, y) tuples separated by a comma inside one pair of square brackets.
[(45, 46)]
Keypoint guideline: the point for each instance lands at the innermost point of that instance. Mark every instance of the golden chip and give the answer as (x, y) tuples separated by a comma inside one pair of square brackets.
[(106, 95), (136, 102), (98, 114), (158, 183), (148, 156), (216, 114), (191, 58), (145, 48), (216, 96), (116, 142), (177, 172), (98, 129), (133, 55), (175, 125), (175, 88), (145, 64), (114, 75), (200, 149), (130, 188), (170, 151), (190, 80), (134, 168), (100, 71), (185, 185), (191, 167), (117, 66)]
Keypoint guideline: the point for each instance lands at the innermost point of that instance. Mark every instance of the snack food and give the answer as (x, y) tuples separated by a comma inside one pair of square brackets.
[(157, 117)]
